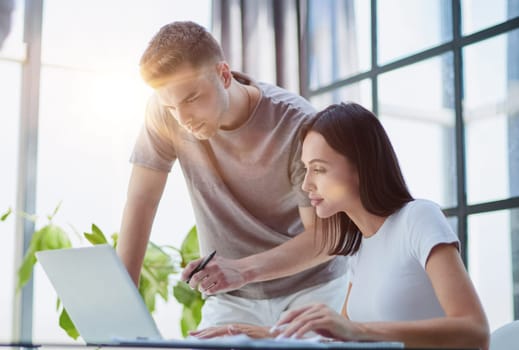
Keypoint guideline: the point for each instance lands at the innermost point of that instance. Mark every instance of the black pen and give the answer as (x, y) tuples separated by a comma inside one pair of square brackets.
[(201, 266)]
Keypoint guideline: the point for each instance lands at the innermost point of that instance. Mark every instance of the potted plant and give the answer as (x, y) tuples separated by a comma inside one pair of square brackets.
[(161, 264)]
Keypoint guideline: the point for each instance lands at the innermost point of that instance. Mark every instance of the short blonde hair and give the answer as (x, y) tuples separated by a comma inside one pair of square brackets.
[(175, 45)]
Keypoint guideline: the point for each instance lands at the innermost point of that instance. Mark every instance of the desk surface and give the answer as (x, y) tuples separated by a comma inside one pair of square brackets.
[(209, 345)]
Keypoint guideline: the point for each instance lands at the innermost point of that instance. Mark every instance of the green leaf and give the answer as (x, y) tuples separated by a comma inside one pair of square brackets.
[(53, 237), (25, 270), (189, 249), (48, 237), (115, 238), (67, 325), (29, 259), (50, 217), (96, 237), (6, 214), (156, 269), (148, 293), (191, 317), (184, 294)]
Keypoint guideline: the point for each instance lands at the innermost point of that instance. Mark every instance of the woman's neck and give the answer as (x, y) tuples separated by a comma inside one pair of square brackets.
[(368, 223)]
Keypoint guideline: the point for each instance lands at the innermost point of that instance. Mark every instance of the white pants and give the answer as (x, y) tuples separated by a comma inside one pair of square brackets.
[(223, 309)]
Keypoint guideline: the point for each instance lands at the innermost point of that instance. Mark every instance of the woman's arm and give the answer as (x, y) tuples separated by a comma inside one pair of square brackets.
[(464, 324)]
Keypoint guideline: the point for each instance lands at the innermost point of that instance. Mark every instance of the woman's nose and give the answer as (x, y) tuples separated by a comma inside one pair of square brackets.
[(306, 186)]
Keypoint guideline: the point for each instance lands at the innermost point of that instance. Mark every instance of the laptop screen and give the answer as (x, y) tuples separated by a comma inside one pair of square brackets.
[(98, 294)]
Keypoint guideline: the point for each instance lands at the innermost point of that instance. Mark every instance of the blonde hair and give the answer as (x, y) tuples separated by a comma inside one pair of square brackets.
[(177, 44)]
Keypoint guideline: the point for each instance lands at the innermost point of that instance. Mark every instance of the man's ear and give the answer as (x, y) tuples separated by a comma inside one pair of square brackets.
[(224, 72)]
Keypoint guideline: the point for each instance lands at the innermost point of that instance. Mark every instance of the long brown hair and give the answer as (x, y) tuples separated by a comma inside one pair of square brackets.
[(357, 134)]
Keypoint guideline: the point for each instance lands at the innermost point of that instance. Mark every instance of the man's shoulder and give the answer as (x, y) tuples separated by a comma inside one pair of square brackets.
[(279, 97)]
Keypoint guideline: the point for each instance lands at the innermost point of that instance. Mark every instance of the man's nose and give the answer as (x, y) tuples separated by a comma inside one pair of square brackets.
[(184, 118)]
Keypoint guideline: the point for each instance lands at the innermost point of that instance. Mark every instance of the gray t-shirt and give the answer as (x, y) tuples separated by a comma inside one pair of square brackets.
[(245, 184)]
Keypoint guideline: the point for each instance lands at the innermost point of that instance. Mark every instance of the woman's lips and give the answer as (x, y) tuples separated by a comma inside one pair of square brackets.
[(315, 202)]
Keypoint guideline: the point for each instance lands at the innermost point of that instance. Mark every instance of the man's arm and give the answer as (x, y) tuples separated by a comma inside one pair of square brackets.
[(144, 192), (293, 256)]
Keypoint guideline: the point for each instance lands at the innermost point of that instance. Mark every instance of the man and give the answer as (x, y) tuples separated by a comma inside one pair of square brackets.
[(238, 147)]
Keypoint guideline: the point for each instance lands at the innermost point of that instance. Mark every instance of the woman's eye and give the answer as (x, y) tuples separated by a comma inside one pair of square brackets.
[(313, 170), (192, 99)]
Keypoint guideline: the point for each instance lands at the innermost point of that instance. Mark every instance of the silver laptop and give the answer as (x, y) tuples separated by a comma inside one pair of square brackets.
[(107, 309), (98, 294)]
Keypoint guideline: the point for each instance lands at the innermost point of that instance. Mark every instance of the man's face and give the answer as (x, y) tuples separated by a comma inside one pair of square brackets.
[(196, 98)]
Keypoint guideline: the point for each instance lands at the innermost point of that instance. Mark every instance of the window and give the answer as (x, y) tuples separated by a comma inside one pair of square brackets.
[(413, 98), (442, 76), (11, 57), (10, 89), (406, 27), (478, 15), (339, 40), (91, 107), (491, 113), (494, 262)]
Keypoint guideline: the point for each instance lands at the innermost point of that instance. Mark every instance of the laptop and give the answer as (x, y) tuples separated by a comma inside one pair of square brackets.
[(107, 309), (98, 294)]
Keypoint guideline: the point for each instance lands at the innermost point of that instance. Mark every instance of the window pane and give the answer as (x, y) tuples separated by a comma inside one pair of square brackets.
[(121, 32), (491, 115), (493, 261), (89, 120), (339, 42), (408, 26), (481, 14), (359, 92), (10, 111), (416, 107)]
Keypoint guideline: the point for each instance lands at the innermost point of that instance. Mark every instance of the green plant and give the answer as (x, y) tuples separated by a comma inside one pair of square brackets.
[(161, 264)]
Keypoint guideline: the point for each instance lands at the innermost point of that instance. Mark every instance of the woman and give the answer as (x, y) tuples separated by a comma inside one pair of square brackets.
[(408, 282)]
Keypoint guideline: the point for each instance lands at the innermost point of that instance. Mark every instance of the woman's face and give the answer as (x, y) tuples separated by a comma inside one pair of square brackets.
[(331, 180)]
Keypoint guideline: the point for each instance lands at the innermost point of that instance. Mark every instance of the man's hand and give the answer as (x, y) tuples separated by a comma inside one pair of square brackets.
[(219, 275)]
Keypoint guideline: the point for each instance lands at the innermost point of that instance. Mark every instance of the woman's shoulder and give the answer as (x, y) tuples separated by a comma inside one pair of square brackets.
[(420, 207), (420, 215)]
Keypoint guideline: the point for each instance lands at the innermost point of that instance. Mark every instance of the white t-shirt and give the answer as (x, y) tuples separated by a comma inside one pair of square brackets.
[(388, 277)]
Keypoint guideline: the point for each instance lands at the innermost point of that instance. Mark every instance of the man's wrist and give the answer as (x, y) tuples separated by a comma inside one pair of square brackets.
[(249, 271)]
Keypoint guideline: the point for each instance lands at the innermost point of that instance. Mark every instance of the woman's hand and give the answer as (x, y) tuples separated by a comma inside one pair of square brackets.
[(318, 318), (252, 331)]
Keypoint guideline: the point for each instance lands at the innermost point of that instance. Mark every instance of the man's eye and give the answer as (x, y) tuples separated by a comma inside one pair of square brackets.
[(318, 170), (192, 99)]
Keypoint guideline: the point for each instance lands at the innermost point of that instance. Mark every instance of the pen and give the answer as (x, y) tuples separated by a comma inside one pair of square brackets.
[(201, 266)]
